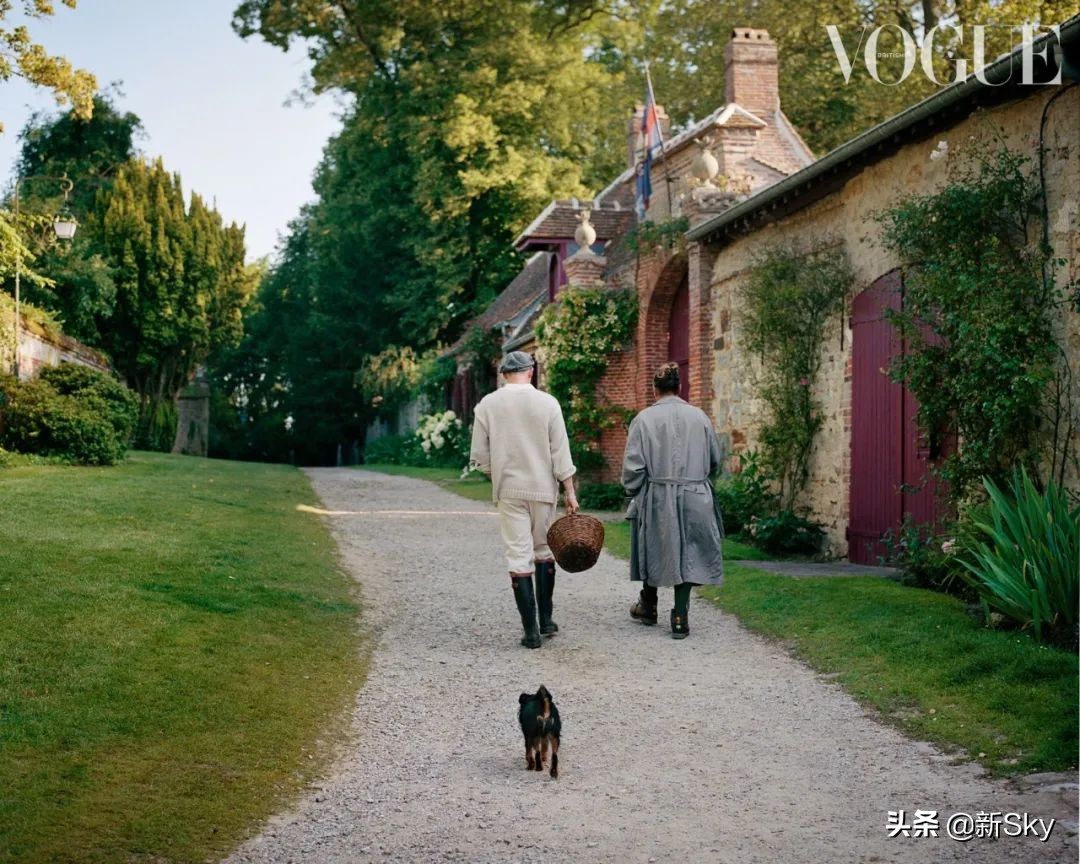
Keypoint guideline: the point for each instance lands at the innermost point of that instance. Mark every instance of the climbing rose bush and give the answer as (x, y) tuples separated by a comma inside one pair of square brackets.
[(578, 336)]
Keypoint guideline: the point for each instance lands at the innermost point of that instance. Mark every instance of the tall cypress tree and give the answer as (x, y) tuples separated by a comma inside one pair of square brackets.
[(180, 285)]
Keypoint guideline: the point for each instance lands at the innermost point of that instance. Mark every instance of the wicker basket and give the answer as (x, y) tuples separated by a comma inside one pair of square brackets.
[(576, 541)]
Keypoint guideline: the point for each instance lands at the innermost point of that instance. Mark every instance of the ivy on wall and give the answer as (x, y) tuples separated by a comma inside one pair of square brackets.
[(481, 348), (577, 336), (980, 298), (786, 301), (651, 236)]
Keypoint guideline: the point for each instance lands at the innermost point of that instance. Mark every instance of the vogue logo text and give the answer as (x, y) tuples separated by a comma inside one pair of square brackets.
[(922, 50)]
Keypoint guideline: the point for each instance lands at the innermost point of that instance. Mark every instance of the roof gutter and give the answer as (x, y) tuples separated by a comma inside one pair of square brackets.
[(997, 73)]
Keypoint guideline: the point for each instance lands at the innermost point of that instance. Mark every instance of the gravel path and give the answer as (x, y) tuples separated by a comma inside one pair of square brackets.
[(719, 748)]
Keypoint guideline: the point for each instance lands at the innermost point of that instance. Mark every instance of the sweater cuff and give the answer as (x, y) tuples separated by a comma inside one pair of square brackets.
[(566, 476)]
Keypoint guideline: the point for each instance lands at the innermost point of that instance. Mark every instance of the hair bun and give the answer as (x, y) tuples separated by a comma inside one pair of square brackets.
[(667, 377)]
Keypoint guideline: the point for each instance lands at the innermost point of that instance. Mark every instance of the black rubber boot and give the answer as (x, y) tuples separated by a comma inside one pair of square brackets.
[(526, 604), (645, 608), (545, 588)]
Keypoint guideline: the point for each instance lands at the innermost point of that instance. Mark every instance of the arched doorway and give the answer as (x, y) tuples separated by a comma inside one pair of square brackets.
[(679, 335)]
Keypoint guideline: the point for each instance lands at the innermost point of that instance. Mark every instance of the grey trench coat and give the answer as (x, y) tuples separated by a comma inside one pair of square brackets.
[(675, 526)]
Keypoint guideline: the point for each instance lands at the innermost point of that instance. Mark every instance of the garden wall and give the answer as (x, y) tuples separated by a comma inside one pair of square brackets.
[(40, 346)]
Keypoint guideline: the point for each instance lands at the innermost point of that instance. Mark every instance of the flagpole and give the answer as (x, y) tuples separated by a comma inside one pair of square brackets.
[(660, 134)]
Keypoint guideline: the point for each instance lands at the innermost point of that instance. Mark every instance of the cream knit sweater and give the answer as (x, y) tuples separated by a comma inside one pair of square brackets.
[(519, 438)]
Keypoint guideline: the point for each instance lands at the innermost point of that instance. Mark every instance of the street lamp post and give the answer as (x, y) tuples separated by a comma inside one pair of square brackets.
[(64, 225)]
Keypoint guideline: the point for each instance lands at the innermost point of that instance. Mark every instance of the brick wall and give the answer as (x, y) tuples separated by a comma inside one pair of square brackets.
[(627, 383)]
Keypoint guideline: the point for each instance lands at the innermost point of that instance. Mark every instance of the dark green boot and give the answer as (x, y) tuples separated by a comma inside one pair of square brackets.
[(680, 615), (526, 604), (545, 588)]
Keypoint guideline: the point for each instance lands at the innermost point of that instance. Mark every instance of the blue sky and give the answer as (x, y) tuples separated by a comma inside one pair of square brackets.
[(212, 104)]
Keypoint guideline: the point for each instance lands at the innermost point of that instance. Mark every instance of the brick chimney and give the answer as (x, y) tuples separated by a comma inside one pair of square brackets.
[(751, 72), (634, 144)]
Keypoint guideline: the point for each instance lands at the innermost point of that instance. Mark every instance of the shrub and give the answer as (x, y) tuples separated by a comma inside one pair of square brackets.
[(1024, 559), (390, 450), (601, 496), (977, 262), (926, 559), (157, 428), (745, 495), (787, 534), (84, 417), (119, 405), (37, 419), (9, 459)]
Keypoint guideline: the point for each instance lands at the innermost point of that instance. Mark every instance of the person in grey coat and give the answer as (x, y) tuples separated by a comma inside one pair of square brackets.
[(675, 526)]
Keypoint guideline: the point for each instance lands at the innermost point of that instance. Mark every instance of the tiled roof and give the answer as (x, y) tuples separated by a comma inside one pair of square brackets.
[(560, 219), (523, 290), (778, 146)]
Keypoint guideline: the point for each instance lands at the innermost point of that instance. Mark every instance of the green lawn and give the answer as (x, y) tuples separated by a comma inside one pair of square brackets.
[(178, 646), (617, 542), (476, 487), (918, 658)]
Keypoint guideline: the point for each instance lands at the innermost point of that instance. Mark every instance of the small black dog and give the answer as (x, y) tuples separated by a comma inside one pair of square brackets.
[(540, 725)]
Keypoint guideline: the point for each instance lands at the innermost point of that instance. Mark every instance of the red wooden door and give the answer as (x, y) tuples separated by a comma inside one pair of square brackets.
[(876, 420), (679, 336), (890, 461)]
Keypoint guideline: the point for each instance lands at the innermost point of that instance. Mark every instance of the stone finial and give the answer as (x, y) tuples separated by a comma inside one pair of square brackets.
[(585, 233), (713, 196), (705, 166), (585, 268)]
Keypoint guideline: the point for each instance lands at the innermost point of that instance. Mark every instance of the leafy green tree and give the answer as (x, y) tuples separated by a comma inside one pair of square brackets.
[(80, 290), (468, 118), (462, 126), (23, 57)]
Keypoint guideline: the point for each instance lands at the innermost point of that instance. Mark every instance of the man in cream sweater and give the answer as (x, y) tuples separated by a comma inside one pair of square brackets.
[(519, 438)]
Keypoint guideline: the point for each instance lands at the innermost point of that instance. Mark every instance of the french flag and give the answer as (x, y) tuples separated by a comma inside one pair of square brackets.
[(651, 141)]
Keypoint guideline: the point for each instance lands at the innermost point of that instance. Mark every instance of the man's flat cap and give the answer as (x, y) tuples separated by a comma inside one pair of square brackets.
[(516, 361)]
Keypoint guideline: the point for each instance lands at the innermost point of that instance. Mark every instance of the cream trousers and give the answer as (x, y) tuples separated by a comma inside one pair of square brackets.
[(524, 526)]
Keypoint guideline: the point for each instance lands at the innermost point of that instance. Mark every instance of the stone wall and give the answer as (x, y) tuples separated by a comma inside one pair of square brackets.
[(846, 218), (40, 347)]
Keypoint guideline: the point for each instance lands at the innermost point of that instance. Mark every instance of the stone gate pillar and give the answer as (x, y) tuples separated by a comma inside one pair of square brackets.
[(193, 417)]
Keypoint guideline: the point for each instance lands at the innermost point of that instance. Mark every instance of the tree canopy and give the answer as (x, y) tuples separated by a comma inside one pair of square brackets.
[(21, 56)]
